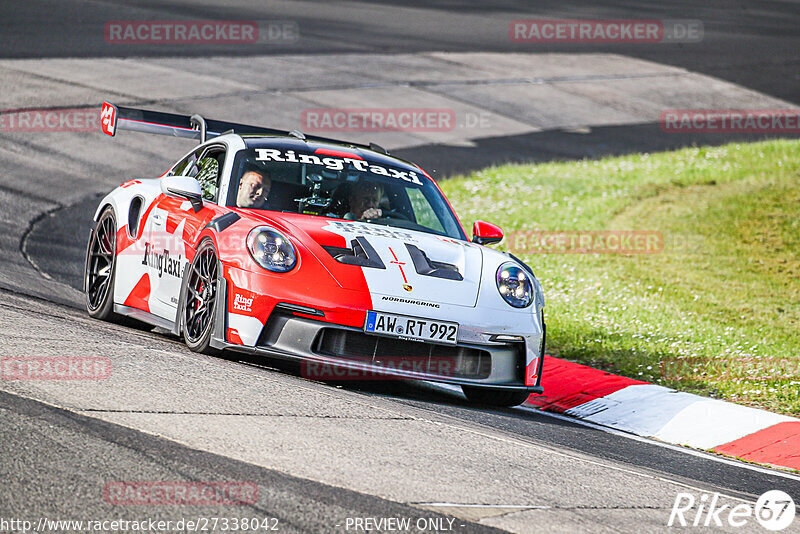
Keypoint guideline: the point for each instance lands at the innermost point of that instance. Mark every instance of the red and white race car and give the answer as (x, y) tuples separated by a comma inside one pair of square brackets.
[(331, 253)]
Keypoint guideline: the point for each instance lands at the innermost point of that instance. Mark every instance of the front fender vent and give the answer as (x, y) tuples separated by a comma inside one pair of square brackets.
[(426, 267), (223, 221), (361, 253)]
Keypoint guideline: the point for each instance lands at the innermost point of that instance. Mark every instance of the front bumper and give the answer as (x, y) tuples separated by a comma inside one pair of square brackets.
[(326, 352), (286, 336)]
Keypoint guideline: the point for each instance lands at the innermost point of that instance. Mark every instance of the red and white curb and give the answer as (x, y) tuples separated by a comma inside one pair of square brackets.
[(653, 411)]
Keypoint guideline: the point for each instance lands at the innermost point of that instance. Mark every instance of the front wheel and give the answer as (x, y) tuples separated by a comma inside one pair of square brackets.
[(494, 397), (100, 269), (200, 299)]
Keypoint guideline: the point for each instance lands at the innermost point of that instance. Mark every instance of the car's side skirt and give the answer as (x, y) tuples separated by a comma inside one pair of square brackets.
[(145, 317)]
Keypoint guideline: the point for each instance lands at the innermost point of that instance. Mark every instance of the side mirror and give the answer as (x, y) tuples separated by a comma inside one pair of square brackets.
[(486, 233), (183, 187)]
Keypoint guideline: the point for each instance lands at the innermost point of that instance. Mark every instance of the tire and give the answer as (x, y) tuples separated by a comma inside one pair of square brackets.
[(494, 397), (100, 269), (200, 299)]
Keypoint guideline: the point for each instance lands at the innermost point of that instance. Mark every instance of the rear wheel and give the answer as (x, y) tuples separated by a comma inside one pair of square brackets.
[(200, 299), (494, 397), (100, 270)]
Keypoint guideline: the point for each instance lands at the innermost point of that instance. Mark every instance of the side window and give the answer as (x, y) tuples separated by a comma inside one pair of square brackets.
[(209, 168), (205, 165), (194, 164), (423, 211), (184, 164)]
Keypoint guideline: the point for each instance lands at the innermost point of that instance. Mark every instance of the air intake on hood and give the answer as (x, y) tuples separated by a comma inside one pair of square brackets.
[(361, 253), (426, 267)]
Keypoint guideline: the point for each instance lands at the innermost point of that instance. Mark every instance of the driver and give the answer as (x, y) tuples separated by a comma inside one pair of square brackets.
[(364, 200), (253, 189)]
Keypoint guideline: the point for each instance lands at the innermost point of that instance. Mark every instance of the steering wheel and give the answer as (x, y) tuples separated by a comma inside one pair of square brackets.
[(392, 214)]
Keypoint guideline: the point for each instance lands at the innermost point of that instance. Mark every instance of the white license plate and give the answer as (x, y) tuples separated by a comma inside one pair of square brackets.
[(402, 326)]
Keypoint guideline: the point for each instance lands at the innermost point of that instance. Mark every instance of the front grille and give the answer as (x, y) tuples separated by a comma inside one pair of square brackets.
[(390, 353)]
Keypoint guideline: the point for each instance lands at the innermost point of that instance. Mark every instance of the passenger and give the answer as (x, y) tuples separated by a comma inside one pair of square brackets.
[(364, 200)]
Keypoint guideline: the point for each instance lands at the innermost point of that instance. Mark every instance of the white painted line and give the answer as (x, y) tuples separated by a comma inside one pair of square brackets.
[(461, 505), (642, 409), (710, 423), (675, 417), (678, 448), (449, 388)]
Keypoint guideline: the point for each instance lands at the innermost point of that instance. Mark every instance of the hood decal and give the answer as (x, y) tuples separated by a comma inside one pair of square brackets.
[(400, 266), (418, 266), (370, 229)]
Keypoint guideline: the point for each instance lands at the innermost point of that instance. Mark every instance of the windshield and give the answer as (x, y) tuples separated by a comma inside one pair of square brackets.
[(340, 185)]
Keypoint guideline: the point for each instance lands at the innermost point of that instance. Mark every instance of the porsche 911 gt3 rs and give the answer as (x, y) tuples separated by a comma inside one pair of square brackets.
[(330, 253)]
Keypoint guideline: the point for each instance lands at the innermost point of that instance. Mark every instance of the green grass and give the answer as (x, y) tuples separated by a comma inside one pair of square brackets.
[(717, 312)]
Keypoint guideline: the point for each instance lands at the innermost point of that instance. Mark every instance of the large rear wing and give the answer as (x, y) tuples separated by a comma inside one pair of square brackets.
[(113, 118)]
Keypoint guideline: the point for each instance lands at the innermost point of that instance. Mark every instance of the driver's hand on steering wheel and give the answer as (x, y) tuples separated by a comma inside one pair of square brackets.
[(372, 213)]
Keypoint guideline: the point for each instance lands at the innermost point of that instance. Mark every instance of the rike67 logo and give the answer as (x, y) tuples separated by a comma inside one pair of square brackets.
[(774, 510)]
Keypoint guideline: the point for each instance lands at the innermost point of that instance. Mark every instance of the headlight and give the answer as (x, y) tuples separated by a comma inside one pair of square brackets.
[(514, 285), (271, 249)]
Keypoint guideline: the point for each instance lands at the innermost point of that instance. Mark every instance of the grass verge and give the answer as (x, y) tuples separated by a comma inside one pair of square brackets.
[(716, 311)]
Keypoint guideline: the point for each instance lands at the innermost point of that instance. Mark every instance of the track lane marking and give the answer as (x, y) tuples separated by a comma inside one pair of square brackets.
[(686, 450)]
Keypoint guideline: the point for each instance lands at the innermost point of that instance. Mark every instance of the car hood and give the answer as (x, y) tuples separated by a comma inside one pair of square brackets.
[(396, 263)]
